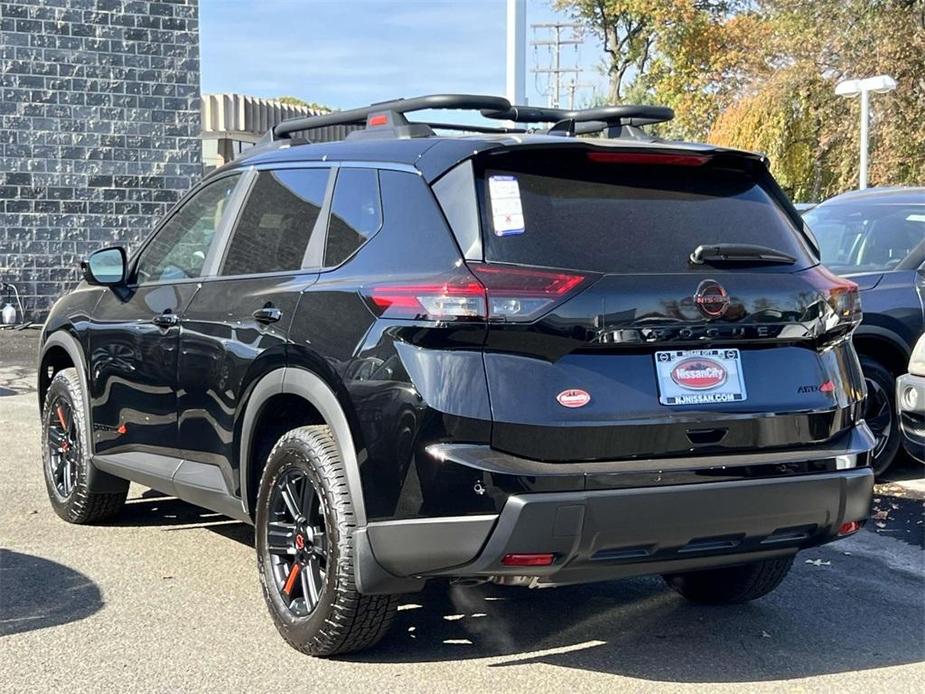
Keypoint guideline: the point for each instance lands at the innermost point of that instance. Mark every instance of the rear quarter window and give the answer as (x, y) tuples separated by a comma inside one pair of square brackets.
[(625, 218)]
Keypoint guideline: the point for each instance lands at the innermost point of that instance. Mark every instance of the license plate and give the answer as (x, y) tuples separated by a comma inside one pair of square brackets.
[(699, 376)]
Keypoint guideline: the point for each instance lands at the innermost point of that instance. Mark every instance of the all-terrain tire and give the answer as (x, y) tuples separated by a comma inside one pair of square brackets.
[(732, 584), (95, 496), (344, 620)]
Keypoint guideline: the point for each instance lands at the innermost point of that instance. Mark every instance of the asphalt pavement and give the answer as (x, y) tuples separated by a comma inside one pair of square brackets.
[(166, 599)]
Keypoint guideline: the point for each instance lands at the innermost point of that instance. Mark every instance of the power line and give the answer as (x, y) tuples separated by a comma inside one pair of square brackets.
[(555, 40)]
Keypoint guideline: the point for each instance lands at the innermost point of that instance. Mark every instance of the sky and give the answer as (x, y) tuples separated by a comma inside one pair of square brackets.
[(354, 52)]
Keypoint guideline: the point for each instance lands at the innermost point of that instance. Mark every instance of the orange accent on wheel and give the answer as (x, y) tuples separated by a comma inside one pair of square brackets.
[(291, 578)]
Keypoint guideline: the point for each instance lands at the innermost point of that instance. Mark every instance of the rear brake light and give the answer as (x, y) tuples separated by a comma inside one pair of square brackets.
[(496, 292), (457, 296), (657, 158), (522, 294)]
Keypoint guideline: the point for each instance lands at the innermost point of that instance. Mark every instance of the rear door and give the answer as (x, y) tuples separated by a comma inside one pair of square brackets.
[(608, 341), (236, 328)]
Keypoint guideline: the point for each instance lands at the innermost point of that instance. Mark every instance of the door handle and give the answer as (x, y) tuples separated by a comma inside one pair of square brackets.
[(267, 314), (167, 319)]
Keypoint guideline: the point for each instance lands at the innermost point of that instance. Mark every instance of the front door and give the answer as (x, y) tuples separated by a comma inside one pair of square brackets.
[(134, 334), (236, 328)]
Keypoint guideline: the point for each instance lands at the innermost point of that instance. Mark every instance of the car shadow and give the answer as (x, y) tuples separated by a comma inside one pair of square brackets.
[(845, 613), (36, 593), (639, 628), (153, 508)]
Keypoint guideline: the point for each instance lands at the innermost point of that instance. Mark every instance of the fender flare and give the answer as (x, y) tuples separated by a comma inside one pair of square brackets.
[(310, 387), (69, 344)]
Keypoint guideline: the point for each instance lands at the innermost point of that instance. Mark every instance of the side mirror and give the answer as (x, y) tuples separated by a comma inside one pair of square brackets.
[(105, 267)]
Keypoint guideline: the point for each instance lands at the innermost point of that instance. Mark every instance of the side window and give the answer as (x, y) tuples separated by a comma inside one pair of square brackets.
[(276, 224), (180, 248), (356, 213)]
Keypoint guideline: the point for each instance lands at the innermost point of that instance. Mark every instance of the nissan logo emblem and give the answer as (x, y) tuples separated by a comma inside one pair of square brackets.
[(711, 299)]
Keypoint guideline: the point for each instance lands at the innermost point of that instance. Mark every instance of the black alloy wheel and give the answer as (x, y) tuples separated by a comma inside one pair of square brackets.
[(297, 542), (878, 413), (64, 451)]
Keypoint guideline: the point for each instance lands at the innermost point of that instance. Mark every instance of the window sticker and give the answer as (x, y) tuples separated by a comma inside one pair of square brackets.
[(506, 210)]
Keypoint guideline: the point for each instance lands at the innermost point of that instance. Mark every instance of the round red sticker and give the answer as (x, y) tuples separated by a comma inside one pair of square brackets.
[(573, 397), (699, 373)]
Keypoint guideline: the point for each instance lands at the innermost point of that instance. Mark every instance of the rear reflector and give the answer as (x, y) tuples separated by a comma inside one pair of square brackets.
[(656, 158), (528, 559), (379, 119), (849, 528)]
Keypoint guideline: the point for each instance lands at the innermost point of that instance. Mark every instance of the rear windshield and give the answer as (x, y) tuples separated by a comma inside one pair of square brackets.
[(568, 212)]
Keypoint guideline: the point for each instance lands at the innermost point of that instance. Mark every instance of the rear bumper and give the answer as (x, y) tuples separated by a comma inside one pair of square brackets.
[(604, 534)]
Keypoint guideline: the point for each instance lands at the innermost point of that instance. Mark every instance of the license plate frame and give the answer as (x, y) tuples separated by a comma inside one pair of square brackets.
[(700, 377)]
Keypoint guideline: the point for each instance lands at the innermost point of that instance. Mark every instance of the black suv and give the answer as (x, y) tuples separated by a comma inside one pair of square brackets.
[(496, 355)]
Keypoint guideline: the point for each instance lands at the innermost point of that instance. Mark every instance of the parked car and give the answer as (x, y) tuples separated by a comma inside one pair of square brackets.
[(876, 238), (910, 403), (532, 359)]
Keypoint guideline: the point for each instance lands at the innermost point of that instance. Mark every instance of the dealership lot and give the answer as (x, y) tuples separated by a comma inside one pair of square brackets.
[(167, 599)]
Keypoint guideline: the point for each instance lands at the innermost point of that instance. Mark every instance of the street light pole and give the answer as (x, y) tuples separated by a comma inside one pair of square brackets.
[(865, 124), (516, 91), (879, 84)]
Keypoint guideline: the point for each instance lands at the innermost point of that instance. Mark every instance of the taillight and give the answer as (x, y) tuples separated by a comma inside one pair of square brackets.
[(455, 296), (522, 294), (494, 292), (842, 311)]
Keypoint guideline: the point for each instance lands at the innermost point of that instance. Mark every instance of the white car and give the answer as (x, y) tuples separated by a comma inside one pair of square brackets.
[(910, 403)]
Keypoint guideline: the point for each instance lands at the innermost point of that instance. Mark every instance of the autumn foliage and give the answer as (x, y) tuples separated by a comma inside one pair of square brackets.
[(761, 75)]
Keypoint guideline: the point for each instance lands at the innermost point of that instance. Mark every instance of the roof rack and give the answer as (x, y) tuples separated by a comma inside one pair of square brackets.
[(391, 113), (566, 122), (387, 118)]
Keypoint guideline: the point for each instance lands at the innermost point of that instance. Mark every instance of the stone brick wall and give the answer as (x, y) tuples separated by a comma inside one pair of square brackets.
[(99, 131)]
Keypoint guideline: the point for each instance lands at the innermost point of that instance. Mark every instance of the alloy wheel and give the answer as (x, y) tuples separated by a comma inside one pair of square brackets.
[(878, 413), (63, 447), (297, 542)]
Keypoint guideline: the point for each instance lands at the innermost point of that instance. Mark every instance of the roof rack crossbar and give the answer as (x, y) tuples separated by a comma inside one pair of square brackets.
[(607, 115), (396, 108)]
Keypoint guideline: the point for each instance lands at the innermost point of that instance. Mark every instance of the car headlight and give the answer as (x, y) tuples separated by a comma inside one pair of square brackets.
[(917, 362)]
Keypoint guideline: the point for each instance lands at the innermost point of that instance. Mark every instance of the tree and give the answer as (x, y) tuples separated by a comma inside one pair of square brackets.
[(761, 74), (296, 101)]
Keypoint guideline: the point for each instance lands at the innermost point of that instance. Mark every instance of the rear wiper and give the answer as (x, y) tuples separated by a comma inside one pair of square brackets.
[(739, 253)]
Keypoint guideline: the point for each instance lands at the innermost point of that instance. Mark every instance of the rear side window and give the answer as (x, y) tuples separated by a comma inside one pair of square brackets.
[(356, 213), (566, 211), (277, 222)]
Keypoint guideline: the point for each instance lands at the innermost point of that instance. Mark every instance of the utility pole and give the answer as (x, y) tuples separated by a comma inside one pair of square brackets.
[(516, 90), (555, 43)]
